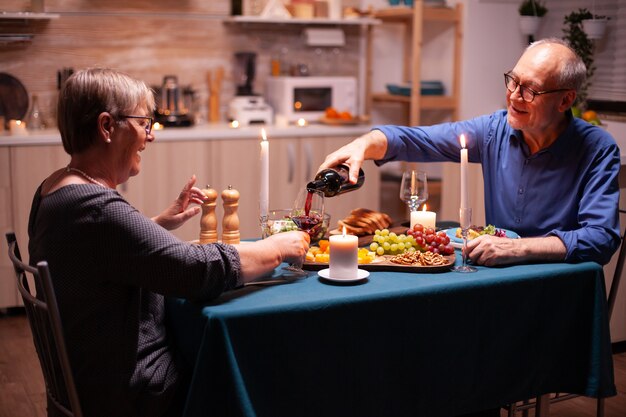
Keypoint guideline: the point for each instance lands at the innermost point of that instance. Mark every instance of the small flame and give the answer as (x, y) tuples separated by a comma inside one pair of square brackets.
[(234, 124), (301, 122), (18, 122), (263, 134), (344, 231), (424, 208), (462, 139)]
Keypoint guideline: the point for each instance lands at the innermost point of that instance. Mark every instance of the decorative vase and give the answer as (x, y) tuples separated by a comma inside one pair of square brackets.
[(594, 28), (529, 25)]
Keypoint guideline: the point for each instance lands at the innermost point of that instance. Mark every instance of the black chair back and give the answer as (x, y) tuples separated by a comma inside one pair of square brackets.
[(45, 324)]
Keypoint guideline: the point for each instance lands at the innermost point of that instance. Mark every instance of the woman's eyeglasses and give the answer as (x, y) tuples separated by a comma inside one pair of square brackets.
[(147, 127), (527, 93)]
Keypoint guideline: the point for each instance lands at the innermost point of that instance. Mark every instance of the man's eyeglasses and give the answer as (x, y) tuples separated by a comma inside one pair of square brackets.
[(527, 93), (147, 127)]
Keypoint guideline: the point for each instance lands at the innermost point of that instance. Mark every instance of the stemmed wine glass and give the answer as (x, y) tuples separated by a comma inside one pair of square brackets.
[(308, 214), (465, 217), (414, 188)]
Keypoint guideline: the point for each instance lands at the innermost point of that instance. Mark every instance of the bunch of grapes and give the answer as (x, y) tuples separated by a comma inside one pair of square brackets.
[(428, 240), (416, 238)]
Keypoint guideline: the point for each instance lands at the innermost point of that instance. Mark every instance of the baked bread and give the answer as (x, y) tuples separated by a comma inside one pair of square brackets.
[(362, 221)]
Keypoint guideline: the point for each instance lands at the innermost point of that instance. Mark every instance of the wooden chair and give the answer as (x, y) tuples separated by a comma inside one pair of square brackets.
[(554, 398), (45, 324)]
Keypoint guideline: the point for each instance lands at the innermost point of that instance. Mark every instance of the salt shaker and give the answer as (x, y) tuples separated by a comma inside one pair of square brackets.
[(230, 224), (208, 221)]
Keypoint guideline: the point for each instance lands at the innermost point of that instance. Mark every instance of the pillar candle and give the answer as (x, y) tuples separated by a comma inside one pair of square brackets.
[(425, 218), (464, 175), (344, 252), (264, 196), (17, 127)]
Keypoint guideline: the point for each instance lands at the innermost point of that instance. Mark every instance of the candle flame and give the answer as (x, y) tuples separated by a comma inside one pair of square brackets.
[(18, 122), (234, 124), (301, 122), (462, 139), (424, 207), (263, 134), (344, 231)]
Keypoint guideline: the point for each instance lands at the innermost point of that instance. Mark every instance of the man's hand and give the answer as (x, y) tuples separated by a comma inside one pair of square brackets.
[(491, 250)]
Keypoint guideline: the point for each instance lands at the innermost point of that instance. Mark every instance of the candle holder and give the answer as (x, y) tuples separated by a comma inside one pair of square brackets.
[(465, 218)]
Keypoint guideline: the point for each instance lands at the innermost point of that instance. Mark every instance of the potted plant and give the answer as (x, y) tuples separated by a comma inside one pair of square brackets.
[(531, 12), (580, 42)]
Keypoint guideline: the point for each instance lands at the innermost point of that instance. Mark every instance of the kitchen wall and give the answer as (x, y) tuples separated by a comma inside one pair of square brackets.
[(150, 39)]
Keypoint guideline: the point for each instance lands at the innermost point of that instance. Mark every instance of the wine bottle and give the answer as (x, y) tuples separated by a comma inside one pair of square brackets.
[(335, 181)]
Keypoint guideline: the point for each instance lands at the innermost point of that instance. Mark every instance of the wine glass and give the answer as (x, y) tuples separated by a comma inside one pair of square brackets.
[(465, 218), (308, 214), (414, 188)]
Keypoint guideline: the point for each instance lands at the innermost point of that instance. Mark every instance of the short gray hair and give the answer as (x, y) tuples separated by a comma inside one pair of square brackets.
[(573, 72), (90, 92)]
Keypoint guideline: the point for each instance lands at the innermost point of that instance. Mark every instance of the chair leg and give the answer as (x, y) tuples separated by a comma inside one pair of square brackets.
[(511, 410), (542, 408), (600, 408)]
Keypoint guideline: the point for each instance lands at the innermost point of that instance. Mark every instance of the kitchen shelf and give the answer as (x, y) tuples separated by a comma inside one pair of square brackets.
[(414, 20), (308, 22), (27, 16), (15, 37)]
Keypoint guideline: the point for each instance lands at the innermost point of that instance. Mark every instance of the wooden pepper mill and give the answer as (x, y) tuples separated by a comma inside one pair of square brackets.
[(208, 221), (230, 225)]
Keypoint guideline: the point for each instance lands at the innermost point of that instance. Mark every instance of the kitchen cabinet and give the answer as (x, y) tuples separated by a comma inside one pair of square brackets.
[(8, 290), (9, 17), (414, 19)]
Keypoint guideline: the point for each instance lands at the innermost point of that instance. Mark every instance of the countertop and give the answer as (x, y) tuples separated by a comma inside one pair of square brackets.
[(202, 132)]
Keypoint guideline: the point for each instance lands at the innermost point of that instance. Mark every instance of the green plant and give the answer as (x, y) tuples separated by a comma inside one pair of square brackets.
[(532, 8), (580, 42)]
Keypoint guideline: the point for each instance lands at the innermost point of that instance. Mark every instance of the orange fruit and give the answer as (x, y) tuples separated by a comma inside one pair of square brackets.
[(331, 113), (590, 115), (345, 115)]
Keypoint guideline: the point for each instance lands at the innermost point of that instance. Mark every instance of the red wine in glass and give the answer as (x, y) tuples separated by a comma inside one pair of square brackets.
[(308, 223)]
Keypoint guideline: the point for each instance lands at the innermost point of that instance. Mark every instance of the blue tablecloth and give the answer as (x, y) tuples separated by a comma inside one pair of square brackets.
[(399, 344)]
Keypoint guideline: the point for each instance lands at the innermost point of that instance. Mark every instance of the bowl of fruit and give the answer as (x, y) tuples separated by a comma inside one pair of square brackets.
[(279, 221)]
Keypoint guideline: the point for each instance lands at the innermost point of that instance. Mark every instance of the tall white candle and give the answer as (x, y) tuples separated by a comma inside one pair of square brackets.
[(464, 175), (344, 256), (264, 197), (424, 217)]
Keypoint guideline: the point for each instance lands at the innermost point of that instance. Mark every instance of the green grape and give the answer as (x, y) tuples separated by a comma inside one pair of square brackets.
[(373, 246), (380, 251), (394, 247), (377, 232), (386, 246), (384, 232), (400, 246)]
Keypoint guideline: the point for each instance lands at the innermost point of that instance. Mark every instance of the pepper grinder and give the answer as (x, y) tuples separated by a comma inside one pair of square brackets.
[(230, 225), (208, 221)]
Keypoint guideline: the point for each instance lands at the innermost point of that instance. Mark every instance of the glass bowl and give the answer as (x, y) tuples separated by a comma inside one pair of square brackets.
[(278, 221)]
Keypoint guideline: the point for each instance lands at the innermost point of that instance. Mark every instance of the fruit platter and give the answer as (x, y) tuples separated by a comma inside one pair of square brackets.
[(418, 249)]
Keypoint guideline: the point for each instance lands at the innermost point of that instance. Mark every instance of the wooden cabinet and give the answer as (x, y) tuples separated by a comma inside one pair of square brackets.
[(414, 19)]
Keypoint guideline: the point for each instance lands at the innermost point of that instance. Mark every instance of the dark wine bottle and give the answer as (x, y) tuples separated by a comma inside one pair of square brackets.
[(335, 181)]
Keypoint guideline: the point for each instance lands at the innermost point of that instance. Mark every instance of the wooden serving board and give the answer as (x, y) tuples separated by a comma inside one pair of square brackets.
[(382, 263)]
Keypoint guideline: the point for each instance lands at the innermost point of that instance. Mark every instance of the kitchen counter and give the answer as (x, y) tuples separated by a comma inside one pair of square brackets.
[(202, 132)]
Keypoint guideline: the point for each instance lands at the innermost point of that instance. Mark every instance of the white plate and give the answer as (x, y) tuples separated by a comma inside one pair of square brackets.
[(361, 274), (458, 242)]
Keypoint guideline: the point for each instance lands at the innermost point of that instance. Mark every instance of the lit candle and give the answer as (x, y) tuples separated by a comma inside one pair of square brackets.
[(301, 122), (234, 124), (264, 197), (425, 218), (344, 256), (464, 188), (17, 127)]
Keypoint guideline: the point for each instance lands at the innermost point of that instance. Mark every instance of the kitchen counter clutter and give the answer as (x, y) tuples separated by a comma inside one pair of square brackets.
[(203, 132)]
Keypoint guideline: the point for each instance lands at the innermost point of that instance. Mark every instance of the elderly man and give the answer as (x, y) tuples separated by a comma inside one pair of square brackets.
[(548, 176)]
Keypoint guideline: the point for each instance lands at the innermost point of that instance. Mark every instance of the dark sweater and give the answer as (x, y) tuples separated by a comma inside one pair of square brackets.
[(111, 267)]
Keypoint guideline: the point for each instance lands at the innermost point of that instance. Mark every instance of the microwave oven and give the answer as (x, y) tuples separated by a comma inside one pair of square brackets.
[(309, 97)]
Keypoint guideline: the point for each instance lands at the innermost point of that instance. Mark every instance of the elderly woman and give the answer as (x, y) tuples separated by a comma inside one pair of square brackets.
[(112, 266)]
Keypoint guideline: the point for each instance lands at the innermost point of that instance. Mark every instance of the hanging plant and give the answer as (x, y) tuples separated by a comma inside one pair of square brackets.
[(532, 8), (580, 42)]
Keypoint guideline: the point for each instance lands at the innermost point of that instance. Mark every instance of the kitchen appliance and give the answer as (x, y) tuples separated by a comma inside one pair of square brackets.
[(247, 107), (309, 97), (172, 108)]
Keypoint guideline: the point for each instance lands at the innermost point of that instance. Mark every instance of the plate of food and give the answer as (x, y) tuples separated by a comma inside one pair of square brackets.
[(474, 231)]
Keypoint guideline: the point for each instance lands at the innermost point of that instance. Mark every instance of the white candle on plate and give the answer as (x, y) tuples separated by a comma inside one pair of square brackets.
[(464, 165), (344, 253), (264, 196), (424, 217)]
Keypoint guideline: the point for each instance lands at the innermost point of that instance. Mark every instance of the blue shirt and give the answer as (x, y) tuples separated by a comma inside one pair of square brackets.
[(569, 189)]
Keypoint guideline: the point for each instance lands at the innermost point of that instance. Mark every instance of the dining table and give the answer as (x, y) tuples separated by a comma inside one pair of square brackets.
[(396, 343)]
